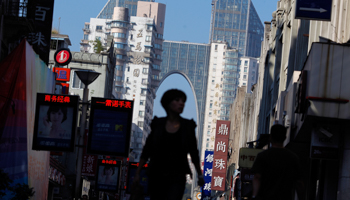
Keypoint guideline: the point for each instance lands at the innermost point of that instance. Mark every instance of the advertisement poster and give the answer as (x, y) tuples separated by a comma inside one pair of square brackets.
[(110, 126), (143, 177), (55, 122), (108, 176)]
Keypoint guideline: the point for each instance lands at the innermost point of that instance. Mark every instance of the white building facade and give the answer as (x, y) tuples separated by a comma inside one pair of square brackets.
[(248, 72)]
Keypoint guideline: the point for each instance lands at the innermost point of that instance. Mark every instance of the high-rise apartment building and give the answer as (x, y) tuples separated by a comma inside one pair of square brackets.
[(138, 47), (108, 9), (237, 23), (249, 70)]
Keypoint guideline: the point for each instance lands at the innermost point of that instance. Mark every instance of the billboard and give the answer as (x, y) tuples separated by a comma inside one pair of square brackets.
[(143, 177), (108, 175), (55, 122), (208, 169), (220, 155), (110, 127)]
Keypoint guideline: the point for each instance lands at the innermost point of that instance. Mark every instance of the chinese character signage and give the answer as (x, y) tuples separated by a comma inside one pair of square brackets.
[(89, 166), (220, 155), (247, 157), (110, 127), (143, 177), (55, 122), (40, 12), (108, 175), (62, 74), (207, 172)]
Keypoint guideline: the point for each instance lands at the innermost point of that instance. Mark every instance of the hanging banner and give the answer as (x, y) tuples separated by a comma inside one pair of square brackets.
[(207, 172), (110, 127), (220, 155), (55, 122), (108, 175)]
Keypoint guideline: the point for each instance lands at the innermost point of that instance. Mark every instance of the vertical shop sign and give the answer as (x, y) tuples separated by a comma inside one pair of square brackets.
[(40, 12), (220, 155), (207, 172)]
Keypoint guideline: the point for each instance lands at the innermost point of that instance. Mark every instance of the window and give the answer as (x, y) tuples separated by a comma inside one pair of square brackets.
[(142, 102), (118, 89), (216, 47), (119, 67), (140, 124), (208, 133), (211, 105), (208, 139), (119, 35), (120, 57), (245, 69), (145, 70), (149, 27), (141, 113), (119, 24), (246, 63), (158, 56), (157, 46), (118, 78), (146, 60), (98, 38), (148, 38), (148, 49), (244, 84), (144, 91), (144, 81), (161, 24), (87, 26), (98, 28), (155, 77), (244, 77), (207, 144), (77, 82), (128, 69), (119, 45), (156, 67), (86, 37)]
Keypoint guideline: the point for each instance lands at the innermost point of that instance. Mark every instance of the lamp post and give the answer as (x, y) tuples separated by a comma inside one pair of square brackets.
[(87, 77)]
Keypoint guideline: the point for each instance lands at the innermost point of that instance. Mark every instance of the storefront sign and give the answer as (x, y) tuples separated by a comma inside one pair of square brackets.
[(89, 167), (62, 74), (207, 172), (247, 157), (220, 155), (55, 122), (324, 144), (63, 56), (110, 127)]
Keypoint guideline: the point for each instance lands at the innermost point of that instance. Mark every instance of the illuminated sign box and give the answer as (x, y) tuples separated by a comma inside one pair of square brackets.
[(110, 127), (55, 122), (108, 173), (143, 177), (62, 74)]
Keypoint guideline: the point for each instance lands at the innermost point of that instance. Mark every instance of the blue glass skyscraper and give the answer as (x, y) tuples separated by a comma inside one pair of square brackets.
[(237, 22), (107, 11)]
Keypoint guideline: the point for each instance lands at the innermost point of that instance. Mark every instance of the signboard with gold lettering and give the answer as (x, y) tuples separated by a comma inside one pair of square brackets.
[(55, 122), (110, 127)]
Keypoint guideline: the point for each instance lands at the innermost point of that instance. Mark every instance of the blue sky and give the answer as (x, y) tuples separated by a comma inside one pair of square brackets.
[(187, 20)]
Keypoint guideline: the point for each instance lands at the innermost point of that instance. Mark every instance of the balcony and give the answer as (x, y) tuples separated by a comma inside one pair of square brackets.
[(84, 42), (86, 30)]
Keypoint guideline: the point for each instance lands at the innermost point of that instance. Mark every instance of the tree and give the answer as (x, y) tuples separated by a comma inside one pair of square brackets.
[(20, 191), (98, 46)]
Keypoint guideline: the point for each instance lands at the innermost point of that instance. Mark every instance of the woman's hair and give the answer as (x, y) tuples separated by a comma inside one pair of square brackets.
[(107, 168), (171, 95), (56, 109)]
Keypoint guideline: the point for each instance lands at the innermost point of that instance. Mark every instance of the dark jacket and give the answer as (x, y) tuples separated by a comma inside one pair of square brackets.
[(188, 143)]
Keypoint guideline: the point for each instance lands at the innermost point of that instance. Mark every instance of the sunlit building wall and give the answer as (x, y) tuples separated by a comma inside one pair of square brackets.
[(248, 72)]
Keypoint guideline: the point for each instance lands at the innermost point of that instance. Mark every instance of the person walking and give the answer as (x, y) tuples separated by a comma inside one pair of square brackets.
[(277, 171), (167, 146)]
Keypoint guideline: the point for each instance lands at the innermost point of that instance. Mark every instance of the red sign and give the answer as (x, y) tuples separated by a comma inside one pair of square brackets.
[(57, 98), (89, 167), (220, 155), (62, 74), (63, 56), (116, 103)]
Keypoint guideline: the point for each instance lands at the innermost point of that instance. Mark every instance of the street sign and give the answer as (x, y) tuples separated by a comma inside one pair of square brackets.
[(313, 9), (63, 56)]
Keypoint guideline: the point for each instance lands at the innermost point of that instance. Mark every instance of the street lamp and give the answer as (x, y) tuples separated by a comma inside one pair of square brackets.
[(87, 77)]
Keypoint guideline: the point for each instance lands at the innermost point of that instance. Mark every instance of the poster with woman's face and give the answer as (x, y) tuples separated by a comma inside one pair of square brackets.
[(107, 178)]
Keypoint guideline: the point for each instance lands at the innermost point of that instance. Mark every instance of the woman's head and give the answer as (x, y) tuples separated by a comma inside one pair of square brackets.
[(108, 171), (173, 96), (57, 114)]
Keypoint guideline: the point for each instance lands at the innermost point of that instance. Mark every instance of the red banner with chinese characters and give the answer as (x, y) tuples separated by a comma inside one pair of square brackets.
[(89, 167), (220, 155)]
